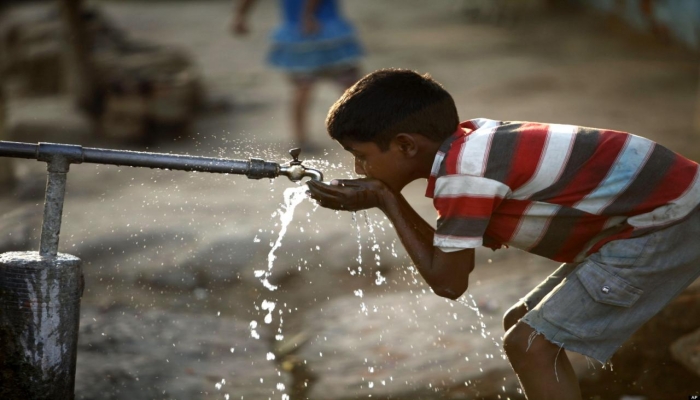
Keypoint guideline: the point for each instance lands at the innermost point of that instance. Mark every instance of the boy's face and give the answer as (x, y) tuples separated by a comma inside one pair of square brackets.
[(388, 166)]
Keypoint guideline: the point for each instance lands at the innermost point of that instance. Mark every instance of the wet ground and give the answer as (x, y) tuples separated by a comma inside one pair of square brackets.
[(189, 243)]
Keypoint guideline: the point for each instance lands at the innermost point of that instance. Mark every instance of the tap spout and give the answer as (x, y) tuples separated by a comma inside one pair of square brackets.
[(314, 174), (297, 172)]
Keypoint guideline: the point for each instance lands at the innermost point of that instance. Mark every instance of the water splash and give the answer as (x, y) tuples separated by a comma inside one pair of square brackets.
[(269, 306), (468, 300), (292, 198)]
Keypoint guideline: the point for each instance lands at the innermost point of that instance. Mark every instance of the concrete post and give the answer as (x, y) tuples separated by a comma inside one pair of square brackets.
[(40, 301), (39, 316)]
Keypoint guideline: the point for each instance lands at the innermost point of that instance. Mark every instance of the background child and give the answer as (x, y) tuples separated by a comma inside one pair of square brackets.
[(313, 42), (620, 211)]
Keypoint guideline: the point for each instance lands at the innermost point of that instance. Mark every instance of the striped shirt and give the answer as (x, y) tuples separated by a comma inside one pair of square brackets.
[(559, 191)]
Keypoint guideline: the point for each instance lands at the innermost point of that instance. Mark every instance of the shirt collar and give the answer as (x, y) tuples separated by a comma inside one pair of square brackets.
[(464, 129)]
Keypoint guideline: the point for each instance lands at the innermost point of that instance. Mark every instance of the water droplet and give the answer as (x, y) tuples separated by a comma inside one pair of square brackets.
[(380, 279)]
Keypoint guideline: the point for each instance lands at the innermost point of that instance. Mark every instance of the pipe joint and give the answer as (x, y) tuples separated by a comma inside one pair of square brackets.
[(59, 157), (262, 169)]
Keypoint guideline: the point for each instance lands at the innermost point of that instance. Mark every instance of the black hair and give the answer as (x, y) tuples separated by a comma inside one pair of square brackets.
[(391, 101)]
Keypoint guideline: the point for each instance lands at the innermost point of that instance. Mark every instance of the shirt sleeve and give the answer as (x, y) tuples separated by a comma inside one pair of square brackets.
[(464, 204)]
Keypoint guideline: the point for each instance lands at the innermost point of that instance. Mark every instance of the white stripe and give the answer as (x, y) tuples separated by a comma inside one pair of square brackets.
[(630, 161), (560, 139), (452, 242), (436, 163), (613, 221), (482, 123), (673, 211), (472, 156), (466, 185), (533, 224)]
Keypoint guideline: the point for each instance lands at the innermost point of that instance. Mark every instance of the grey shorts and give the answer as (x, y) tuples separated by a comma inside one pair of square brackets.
[(594, 306)]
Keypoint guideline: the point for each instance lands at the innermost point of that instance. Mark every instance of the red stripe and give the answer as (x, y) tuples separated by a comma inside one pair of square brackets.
[(468, 125), (594, 170), (452, 156), (674, 183), (621, 235), (581, 233), (430, 188), (531, 141), (506, 220), (465, 206)]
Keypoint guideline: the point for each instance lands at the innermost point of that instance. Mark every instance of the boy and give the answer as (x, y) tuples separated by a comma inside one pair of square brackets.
[(620, 212)]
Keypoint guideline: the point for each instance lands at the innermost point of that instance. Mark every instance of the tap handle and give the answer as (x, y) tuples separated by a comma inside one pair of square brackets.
[(295, 155)]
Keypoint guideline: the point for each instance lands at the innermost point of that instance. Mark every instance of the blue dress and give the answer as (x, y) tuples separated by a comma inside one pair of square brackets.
[(334, 45)]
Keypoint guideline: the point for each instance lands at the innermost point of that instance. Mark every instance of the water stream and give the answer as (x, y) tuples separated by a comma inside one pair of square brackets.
[(367, 227), (292, 198)]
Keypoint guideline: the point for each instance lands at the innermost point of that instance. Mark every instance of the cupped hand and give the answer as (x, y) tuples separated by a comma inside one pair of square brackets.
[(349, 194)]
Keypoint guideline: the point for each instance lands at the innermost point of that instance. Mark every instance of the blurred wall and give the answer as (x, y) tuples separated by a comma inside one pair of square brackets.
[(675, 19)]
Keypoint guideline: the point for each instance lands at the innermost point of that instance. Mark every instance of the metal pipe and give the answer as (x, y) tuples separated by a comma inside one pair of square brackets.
[(58, 159), (18, 150), (53, 211), (254, 168)]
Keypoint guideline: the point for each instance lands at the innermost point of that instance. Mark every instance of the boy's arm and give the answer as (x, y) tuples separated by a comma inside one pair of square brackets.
[(446, 273)]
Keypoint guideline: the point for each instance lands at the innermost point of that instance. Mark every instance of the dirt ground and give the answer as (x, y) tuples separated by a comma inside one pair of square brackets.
[(130, 225)]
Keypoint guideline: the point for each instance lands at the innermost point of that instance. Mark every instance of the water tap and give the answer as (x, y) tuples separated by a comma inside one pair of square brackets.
[(295, 171)]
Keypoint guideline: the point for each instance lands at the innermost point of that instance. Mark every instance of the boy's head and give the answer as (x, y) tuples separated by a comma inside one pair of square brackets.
[(392, 101)]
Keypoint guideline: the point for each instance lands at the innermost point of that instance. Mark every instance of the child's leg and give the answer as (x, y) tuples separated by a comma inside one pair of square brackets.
[(531, 355), (513, 315), (542, 367), (300, 105), (346, 77)]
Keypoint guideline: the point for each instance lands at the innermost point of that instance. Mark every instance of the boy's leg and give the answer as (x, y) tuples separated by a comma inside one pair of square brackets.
[(542, 367), (531, 355), (602, 302), (513, 315)]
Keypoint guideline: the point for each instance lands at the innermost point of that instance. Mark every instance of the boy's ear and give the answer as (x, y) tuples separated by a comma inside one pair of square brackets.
[(406, 143)]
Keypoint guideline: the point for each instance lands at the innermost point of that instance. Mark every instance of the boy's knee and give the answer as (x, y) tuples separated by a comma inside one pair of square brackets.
[(516, 339), (513, 315), (524, 346)]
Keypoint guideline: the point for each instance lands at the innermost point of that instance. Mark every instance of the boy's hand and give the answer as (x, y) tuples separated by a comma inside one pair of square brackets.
[(348, 195)]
